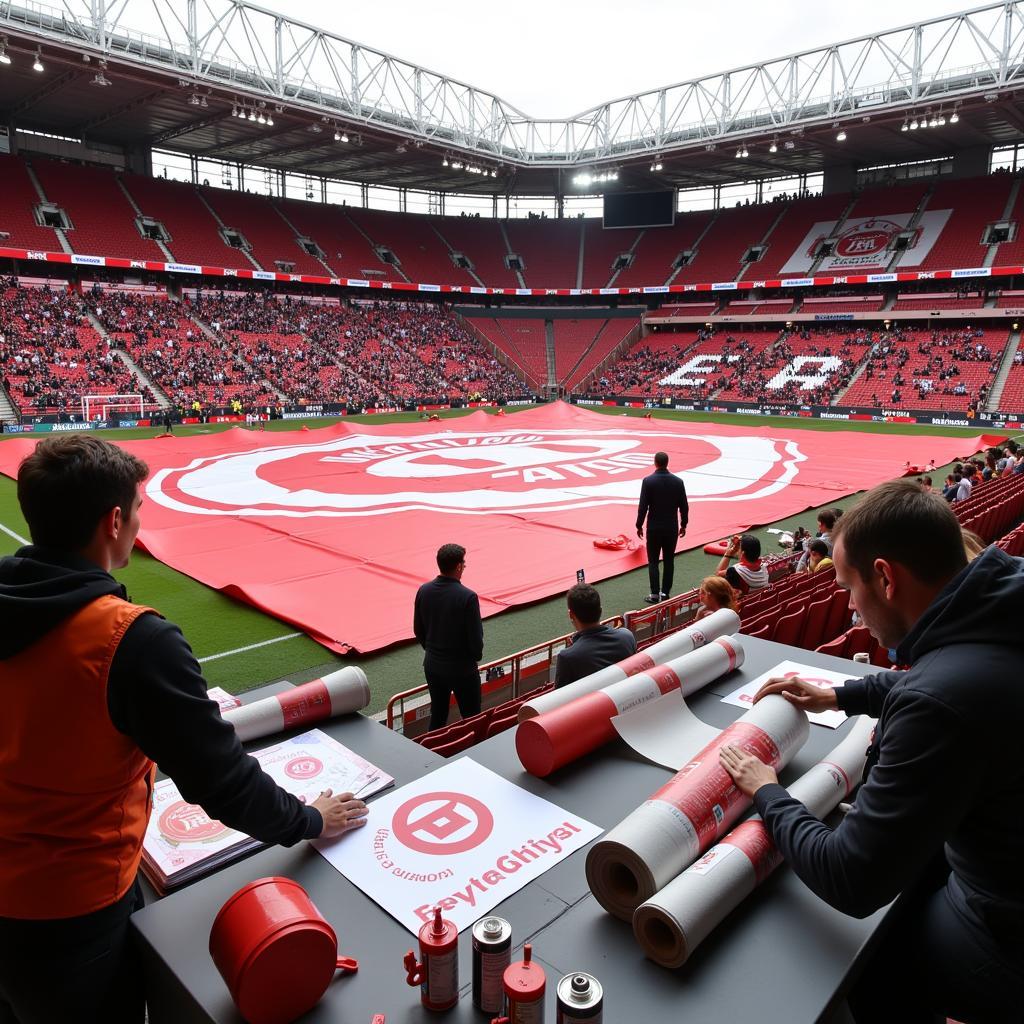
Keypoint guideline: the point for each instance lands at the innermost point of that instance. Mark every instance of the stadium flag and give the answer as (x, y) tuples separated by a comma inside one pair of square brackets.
[(333, 530)]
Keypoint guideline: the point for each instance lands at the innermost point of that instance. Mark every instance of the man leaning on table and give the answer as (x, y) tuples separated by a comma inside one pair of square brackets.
[(98, 691), (938, 818)]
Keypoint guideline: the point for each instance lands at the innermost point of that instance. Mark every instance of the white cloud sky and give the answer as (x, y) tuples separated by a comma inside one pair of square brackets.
[(555, 59)]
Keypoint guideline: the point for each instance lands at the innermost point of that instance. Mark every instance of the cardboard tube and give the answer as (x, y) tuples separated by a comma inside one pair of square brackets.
[(666, 833), (673, 922), (338, 693), (721, 623), (557, 737)]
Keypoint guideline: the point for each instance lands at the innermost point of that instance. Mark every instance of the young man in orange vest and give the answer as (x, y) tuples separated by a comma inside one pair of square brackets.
[(97, 692)]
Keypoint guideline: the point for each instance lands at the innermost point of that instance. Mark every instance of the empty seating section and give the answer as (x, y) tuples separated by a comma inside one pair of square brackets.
[(974, 204), (523, 341), (1012, 253), (729, 237), (940, 300), (658, 249), (572, 339), (421, 252), (601, 247), (1012, 398), (483, 244), (102, 219), (550, 251), (847, 304), (788, 235), (19, 200), (1010, 299), (346, 250), (683, 309), (194, 233), (613, 334), (52, 356), (748, 307), (918, 369), (887, 201), (270, 238)]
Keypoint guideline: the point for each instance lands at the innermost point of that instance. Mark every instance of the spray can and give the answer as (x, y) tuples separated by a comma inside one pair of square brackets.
[(524, 984), (492, 954), (580, 999), (437, 973)]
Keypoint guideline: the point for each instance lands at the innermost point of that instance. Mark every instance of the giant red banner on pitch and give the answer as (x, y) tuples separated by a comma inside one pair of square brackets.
[(334, 529)]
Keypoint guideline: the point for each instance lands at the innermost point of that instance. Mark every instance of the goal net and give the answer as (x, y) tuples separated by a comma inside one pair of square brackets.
[(102, 407)]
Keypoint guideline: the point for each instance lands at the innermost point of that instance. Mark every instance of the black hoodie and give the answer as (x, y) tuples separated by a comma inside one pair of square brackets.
[(156, 695), (945, 769)]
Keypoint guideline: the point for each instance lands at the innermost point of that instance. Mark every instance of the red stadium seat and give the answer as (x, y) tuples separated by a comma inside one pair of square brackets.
[(788, 627)]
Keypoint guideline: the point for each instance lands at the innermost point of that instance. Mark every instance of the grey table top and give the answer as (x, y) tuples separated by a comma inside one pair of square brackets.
[(783, 956)]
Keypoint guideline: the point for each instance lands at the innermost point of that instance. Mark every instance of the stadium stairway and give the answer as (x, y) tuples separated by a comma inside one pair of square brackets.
[(62, 238), (159, 243), (999, 383), (298, 234), (220, 223), (8, 414), (549, 343), (237, 352), (116, 347)]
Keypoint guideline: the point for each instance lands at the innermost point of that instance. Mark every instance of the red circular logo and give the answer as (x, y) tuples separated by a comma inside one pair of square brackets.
[(303, 767), (442, 823), (188, 823)]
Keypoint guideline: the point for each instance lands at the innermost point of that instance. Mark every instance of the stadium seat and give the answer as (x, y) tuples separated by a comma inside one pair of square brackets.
[(788, 628)]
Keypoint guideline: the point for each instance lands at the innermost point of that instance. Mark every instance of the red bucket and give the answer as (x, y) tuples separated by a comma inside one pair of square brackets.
[(274, 950)]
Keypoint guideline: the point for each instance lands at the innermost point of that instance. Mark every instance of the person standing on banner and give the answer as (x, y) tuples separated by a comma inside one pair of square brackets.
[(97, 692), (937, 820), (593, 646), (447, 624), (664, 506)]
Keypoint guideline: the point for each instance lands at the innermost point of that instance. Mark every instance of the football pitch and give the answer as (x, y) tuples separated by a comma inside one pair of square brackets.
[(240, 647)]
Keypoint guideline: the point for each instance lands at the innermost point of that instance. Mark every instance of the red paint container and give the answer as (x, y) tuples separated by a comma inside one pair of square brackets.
[(437, 973), (524, 984), (274, 951)]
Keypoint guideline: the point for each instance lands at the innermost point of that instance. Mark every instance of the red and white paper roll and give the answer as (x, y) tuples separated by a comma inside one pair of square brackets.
[(721, 623), (557, 737), (666, 833), (673, 922), (339, 693)]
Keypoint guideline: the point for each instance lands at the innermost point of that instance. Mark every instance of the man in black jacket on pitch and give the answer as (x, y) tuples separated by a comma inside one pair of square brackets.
[(447, 623), (938, 819), (663, 504)]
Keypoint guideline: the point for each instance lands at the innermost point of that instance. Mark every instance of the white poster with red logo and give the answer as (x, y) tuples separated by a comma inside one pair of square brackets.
[(743, 696), (183, 842), (461, 838), (333, 530), (867, 243)]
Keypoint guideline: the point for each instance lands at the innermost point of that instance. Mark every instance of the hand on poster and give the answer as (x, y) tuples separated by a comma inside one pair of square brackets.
[(341, 813), (802, 693), (749, 773)]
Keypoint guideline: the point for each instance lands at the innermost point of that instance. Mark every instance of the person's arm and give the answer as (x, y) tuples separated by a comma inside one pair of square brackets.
[(723, 564), (156, 695), (927, 775), (641, 512), (475, 627), (419, 627)]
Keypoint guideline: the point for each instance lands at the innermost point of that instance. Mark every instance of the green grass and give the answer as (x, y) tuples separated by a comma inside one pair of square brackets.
[(214, 623)]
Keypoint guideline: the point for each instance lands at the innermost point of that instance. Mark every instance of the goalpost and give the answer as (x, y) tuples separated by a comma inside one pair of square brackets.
[(133, 404)]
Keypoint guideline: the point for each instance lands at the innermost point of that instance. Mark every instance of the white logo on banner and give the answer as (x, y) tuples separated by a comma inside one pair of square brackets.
[(461, 838), (470, 473), (865, 243), (686, 374)]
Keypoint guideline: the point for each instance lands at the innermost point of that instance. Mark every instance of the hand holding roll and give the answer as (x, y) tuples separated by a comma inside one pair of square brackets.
[(800, 693), (749, 773)]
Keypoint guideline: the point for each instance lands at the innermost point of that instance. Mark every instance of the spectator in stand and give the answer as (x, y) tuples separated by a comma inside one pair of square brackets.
[(963, 491), (715, 594), (951, 486), (826, 523), (592, 646), (749, 573), (447, 623), (818, 553), (926, 484)]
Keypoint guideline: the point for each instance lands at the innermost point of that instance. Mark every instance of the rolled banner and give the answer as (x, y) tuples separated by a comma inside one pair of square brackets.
[(551, 740), (721, 623), (673, 922), (666, 833), (339, 693)]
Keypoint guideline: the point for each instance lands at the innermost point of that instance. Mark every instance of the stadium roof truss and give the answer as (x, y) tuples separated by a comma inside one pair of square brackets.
[(263, 57)]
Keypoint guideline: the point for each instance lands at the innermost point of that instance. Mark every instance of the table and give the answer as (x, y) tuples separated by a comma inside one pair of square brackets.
[(784, 956)]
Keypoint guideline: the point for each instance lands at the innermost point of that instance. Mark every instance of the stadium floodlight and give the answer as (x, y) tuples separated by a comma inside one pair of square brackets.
[(37, 64), (656, 166), (774, 147), (904, 127), (252, 115), (444, 162), (193, 100), (457, 165), (494, 173), (739, 153), (746, 152), (100, 79), (934, 122), (942, 120), (344, 136), (841, 137), (913, 125), (203, 103), (4, 59), (270, 121), (337, 135), (261, 118), (954, 117)]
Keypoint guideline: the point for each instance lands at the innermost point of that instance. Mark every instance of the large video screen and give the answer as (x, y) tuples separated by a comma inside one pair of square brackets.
[(640, 209)]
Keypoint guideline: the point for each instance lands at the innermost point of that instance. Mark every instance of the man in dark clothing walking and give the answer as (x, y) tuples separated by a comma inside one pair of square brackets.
[(937, 820), (98, 691), (663, 504), (593, 646), (447, 623)]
